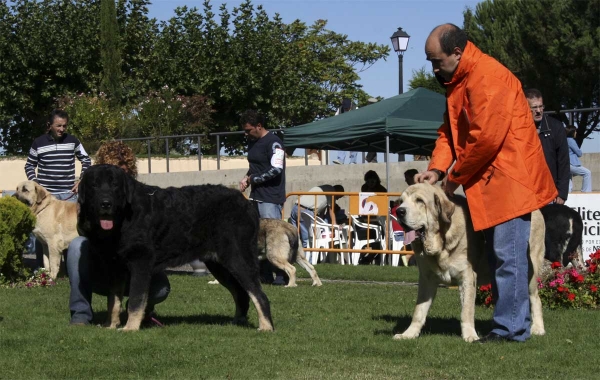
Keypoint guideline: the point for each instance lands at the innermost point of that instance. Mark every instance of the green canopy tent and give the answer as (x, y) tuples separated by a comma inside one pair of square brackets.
[(406, 124)]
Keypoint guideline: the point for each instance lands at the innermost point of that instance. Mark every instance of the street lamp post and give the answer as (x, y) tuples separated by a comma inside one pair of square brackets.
[(400, 43)]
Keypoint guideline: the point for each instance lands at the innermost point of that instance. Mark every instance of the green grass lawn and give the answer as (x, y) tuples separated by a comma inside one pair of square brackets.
[(342, 330)]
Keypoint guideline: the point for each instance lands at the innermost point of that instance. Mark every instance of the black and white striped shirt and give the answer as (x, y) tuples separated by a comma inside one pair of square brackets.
[(55, 162)]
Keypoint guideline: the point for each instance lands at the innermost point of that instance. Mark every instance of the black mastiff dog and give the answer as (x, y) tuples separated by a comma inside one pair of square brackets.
[(564, 229), (141, 229)]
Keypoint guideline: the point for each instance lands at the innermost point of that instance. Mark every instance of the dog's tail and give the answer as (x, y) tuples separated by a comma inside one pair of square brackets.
[(294, 244)]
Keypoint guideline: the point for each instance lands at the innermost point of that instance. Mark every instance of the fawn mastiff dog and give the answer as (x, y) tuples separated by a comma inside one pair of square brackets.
[(279, 243), (140, 229), (56, 222), (449, 251)]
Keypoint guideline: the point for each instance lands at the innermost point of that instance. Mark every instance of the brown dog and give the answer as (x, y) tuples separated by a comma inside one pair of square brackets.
[(56, 222), (278, 242)]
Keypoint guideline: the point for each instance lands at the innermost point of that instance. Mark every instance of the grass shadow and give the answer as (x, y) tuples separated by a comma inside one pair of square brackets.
[(202, 319), (433, 325)]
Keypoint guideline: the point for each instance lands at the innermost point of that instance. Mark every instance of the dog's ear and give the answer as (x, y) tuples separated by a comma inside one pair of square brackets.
[(40, 193), (444, 207)]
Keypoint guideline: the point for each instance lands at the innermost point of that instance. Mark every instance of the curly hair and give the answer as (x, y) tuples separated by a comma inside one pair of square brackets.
[(119, 154)]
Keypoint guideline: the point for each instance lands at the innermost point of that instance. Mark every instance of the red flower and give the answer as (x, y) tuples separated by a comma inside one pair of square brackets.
[(593, 268), (578, 278), (488, 300), (485, 288), (593, 288), (556, 265), (43, 282), (43, 275), (561, 289), (571, 296)]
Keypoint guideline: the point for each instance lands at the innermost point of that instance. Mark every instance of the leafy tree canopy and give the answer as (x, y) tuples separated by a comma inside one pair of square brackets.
[(551, 45), (425, 79), (234, 60)]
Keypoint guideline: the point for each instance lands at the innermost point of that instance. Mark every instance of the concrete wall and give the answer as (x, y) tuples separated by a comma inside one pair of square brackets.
[(299, 177)]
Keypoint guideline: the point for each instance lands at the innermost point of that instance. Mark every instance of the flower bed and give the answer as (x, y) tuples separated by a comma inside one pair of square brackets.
[(40, 279), (562, 287)]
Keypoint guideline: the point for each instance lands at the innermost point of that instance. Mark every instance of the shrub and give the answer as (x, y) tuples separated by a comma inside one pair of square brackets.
[(91, 118), (16, 224)]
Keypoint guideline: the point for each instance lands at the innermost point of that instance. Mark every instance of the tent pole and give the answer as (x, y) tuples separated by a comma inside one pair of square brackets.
[(387, 162)]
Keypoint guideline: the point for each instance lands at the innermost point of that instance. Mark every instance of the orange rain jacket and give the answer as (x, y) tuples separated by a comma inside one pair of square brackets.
[(490, 135)]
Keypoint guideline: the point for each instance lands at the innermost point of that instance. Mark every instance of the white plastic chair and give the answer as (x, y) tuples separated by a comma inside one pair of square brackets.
[(359, 236), (396, 243), (320, 236)]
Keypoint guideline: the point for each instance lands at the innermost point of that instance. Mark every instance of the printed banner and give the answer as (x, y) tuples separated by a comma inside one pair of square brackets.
[(588, 206), (369, 204)]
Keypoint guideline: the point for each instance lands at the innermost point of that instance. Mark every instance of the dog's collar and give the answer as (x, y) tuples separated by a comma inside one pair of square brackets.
[(40, 211)]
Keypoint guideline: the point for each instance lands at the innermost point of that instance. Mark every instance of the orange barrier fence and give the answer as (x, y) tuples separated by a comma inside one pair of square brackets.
[(364, 233)]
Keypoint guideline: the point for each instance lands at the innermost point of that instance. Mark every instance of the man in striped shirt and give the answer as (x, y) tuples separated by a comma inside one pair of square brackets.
[(54, 156)]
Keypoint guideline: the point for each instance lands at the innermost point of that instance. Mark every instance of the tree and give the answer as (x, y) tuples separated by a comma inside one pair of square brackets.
[(552, 45), (47, 49), (294, 73), (138, 38), (222, 63), (109, 53), (422, 78)]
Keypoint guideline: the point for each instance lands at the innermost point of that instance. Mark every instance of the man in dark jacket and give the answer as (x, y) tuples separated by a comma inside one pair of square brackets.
[(554, 143), (266, 177)]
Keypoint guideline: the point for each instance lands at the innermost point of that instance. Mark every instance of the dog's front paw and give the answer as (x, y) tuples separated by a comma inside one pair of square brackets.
[(110, 325), (291, 285), (469, 334), (130, 328), (536, 329), (407, 335), (317, 283)]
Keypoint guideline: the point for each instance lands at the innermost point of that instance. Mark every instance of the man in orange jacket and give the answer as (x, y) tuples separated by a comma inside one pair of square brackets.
[(490, 137)]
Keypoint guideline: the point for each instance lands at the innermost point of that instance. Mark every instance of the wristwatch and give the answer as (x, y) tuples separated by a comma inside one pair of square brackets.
[(440, 174)]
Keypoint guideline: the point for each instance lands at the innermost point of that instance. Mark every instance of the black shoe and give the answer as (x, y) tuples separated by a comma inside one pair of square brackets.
[(279, 281), (493, 338)]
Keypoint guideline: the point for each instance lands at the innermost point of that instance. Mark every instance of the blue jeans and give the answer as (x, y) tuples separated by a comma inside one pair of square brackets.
[(586, 186), (342, 157), (269, 210), (88, 275), (303, 227), (506, 245)]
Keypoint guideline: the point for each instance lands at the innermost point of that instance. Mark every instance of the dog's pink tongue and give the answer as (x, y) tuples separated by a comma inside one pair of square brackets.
[(106, 224)]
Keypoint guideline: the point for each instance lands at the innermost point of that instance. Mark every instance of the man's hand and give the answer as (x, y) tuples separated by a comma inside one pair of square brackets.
[(559, 201), (74, 189), (450, 187), (244, 183), (428, 176)]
